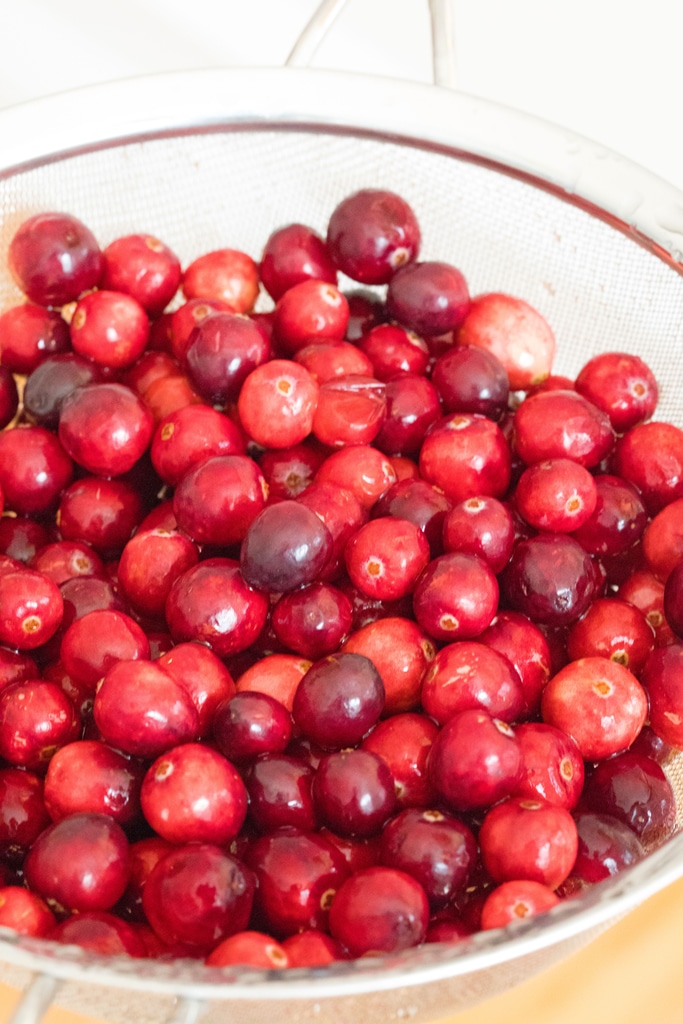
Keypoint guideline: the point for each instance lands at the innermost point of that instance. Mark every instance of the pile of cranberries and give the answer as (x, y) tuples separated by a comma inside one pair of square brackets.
[(325, 631)]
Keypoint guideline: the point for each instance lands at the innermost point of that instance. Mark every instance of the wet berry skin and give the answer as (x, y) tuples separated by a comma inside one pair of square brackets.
[(380, 910), (339, 700), (371, 234), (54, 257)]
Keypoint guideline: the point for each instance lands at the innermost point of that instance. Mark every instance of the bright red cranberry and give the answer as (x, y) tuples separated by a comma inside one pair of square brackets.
[(25, 913), (312, 621), (650, 456), (662, 677), (379, 910), (293, 254), (99, 512), (275, 674), (483, 526), (192, 794), (360, 469), (340, 509), (412, 408), (550, 579), (34, 469), (515, 901), (54, 257), (557, 495), (673, 599), (599, 703), (447, 930), (31, 609), (298, 875), (436, 849), (277, 403), (95, 642), (149, 563), (371, 234), (15, 665), (249, 949), (85, 594), (212, 603), (225, 274), (142, 266), (339, 700), (612, 628), (105, 428), (218, 499), (198, 895), (66, 559), (475, 761), (466, 455), (401, 652), (421, 504), (203, 675), (285, 547), (89, 777), (312, 948), (151, 367), (189, 436), (528, 838), (280, 796), (23, 814), (111, 328), (249, 724), (606, 846), (663, 540), (349, 410), (428, 298), (100, 932), (634, 789), (618, 520), (469, 675), (395, 351), (141, 710), (622, 385), (79, 863), (221, 352), (515, 333), (327, 360), (310, 311), (28, 334), (9, 397), (187, 317), (385, 557), (471, 379), (646, 592), (562, 425), (404, 741), (456, 597), (359, 852), (552, 766)]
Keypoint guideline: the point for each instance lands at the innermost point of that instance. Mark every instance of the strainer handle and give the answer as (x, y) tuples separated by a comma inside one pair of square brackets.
[(443, 38), (35, 1000)]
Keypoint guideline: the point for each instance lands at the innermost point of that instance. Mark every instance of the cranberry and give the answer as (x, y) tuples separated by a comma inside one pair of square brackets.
[(23, 814), (187, 317), (412, 408), (275, 674), (466, 455), (149, 563), (31, 608), (211, 603), (312, 621), (95, 642), (249, 724), (89, 777), (394, 351), (218, 499), (310, 311), (349, 410), (558, 495), (618, 520), (25, 913), (650, 456), (663, 540), (481, 526), (353, 792), (339, 700), (198, 895), (421, 504), (428, 298), (15, 665), (85, 594), (285, 547), (562, 425), (401, 652), (456, 597), (280, 796), (312, 948), (385, 557), (515, 333), (528, 838), (622, 385), (221, 352), (471, 379), (202, 675), (515, 901), (646, 592), (34, 469), (606, 846), (379, 910), (141, 710), (327, 360), (404, 742), (143, 267), (105, 428), (65, 559), (29, 334), (634, 789), (549, 578), (79, 863), (599, 703), (475, 761), (9, 397), (469, 675), (20, 538), (673, 599), (371, 234), (53, 257), (552, 766), (111, 328), (298, 874), (225, 274), (360, 469), (101, 933), (662, 678), (250, 949), (277, 403), (293, 254), (612, 628), (102, 513)]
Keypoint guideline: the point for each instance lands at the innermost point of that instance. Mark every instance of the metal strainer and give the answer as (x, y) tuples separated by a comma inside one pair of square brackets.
[(213, 158)]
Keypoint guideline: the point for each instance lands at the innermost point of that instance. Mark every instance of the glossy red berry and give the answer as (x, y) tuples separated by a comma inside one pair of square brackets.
[(293, 254), (429, 298), (379, 910), (105, 428), (54, 257), (371, 234), (145, 268), (29, 334)]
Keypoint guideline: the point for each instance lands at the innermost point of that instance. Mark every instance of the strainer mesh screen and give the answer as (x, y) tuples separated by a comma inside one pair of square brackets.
[(599, 289)]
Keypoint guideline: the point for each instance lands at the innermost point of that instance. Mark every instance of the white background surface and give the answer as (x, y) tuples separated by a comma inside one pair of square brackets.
[(609, 69)]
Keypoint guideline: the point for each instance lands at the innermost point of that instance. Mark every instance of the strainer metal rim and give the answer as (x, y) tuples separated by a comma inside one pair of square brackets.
[(629, 197)]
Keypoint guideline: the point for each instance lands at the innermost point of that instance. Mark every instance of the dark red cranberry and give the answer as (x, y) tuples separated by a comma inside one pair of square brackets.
[(84, 594), (618, 520), (249, 724), (25, 913), (34, 469), (298, 875), (456, 597), (80, 863), (31, 609), (212, 603), (421, 504), (339, 700), (100, 932), (23, 814), (612, 628), (142, 266), (186, 318), (634, 789), (29, 334), (380, 910), (53, 257), (412, 407), (293, 254), (404, 741), (280, 796), (105, 428), (354, 792), (528, 838), (552, 766), (550, 579), (9, 397), (371, 234), (285, 547), (469, 675), (606, 846), (225, 274), (429, 298), (218, 499), (203, 675), (221, 352), (197, 895), (622, 385), (516, 901), (312, 621), (481, 526), (471, 379)]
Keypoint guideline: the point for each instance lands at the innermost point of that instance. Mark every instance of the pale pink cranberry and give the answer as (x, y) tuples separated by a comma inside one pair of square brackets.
[(401, 651), (24, 912), (142, 266), (622, 385), (516, 901), (468, 675), (203, 675), (379, 910), (309, 312), (528, 838), (599, 703), (34, 469), (372, 233), (404, 741), (29, 334), (456, 597), (430, 298), (293, 254), (350, 410), (515, 333), (650, 456), (466, 455), (385, 557), (612, 628), (217, 500), (54, 257), (225, 274), (277, 403), (249, 949)]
